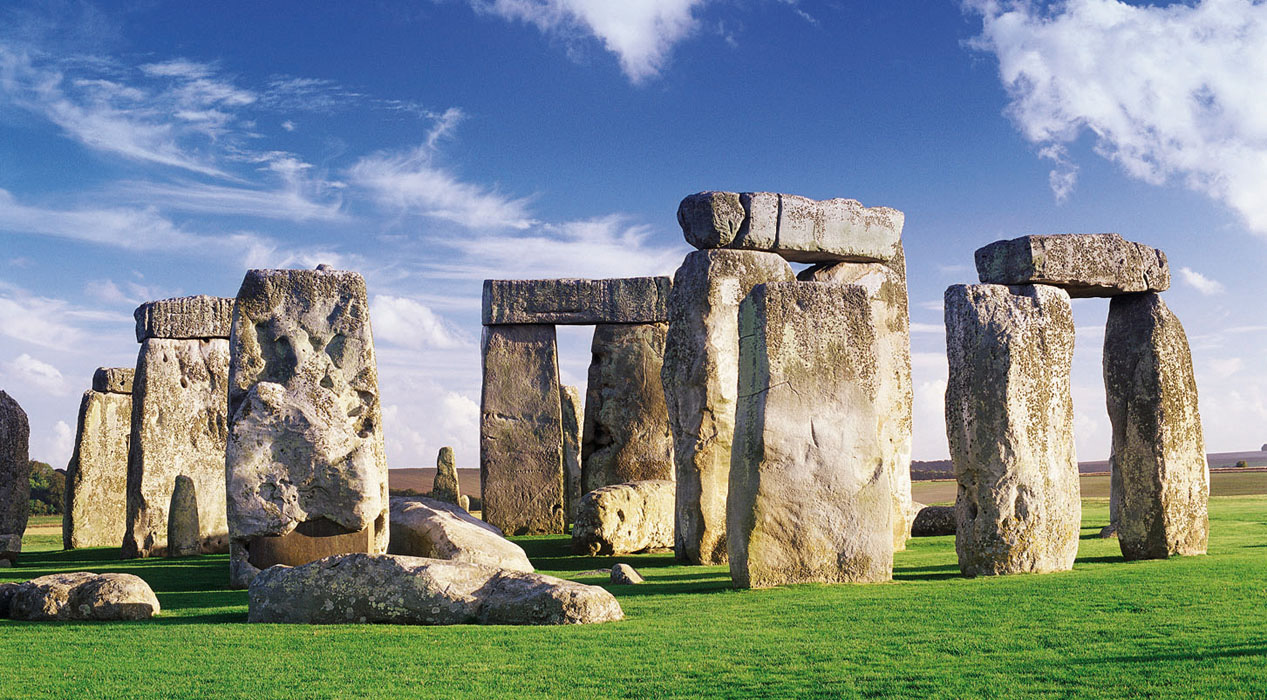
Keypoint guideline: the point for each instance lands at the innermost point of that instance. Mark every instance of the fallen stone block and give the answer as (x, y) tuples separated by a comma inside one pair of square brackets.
[(934, 521), (391, 589), (625, 575), (625, 518), (576, 301), (1083, 264), (79, 596), (424, 527)]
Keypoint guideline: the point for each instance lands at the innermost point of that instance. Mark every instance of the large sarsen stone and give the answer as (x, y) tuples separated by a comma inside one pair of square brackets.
[(80, 596), (810, 485), (625, 518), (15, 477), (1083, 264), (425, 527), (1009, 419), (576, 301), (700, 375), (96, 507), (1161, 482)]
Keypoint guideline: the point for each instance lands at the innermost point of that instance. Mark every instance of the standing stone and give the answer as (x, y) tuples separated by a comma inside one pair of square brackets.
[(521, 431), (572, 412), (700, 376), (445, 486), (810, 489), (179, 418), (886, 293), (96, 507), (182, 519), (306, 470), (15, 478), (627, 434), (1161, 481), (1009, 420), (1083, 264)]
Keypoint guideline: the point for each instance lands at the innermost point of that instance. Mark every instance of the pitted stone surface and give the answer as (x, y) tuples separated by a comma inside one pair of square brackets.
[(445, 486), (810, 492), (886, 294), (625, 518), (184, 318), (700, 376), (179, 406), (798, 228), (96, 507), (425, 527), (114, 380), (15, 475), (1083, 264), (521, 431), (1009, 420), (390, 589), (305, 441), (573, 410), (576, 301), (81, 596), (1161, 482), (626, 435)]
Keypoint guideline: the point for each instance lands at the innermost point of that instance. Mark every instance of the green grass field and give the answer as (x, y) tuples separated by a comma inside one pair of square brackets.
[(1192, 627)]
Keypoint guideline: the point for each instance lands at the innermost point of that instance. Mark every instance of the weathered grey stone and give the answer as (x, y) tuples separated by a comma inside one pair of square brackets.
[(307, 473), (391, 589), (521, 431), (182, 520), (625, 575), (1083, 264), (576, 301), (886, 293), (1108, 532), (96, 507), (1162, 481), (932, 521), (184, 318), (179, 405), (425, 527), (465, 502), (700, 377), (625, 518), (445, 486), (15, 475), (114, 380), (1009, 420), (82, 596), (627, 434), (810, 492), (798, 228), (572, 410)]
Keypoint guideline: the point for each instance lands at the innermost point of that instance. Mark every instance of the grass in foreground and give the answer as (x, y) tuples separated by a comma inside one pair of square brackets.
[(1192, 626)]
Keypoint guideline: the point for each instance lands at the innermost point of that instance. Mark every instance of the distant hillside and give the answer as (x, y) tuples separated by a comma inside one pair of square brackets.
[(942, 468), (420, 479)]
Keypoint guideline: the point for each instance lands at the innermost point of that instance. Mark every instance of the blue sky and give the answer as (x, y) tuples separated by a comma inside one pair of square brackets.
[(157, 149)]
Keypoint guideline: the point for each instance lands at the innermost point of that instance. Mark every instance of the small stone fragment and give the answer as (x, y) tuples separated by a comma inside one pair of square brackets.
[(15, 477), (625, 518), (113, 380), (82, 596), (1108, 532), (933, 521), (445, 486), (576, 301), (424, 527), (465, 501), (1083, 264), (626, 575)]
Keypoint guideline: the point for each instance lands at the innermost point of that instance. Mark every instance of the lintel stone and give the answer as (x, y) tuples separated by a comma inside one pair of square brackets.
[(113, 380), (184, 318), (1083, 264), (576, 301)]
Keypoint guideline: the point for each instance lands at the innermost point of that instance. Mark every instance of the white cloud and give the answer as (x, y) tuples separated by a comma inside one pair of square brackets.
[(1169, 93), (927, 328), (408, 323), (641, 33), (37, 373), (1200, 282)]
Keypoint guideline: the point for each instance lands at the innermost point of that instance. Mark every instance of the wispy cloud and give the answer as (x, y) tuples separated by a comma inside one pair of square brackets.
[(411, 324), (1170, 93), (1200, 282)]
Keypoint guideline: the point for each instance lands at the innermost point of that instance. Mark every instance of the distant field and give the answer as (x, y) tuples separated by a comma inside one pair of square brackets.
[(1097, 486), (421, 479)]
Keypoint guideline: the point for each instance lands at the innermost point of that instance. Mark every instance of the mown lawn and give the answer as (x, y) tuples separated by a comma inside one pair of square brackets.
[(1193, 627)]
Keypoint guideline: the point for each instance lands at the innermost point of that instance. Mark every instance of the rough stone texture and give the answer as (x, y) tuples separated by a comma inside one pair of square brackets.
[(179, 405), (445, 486), (798, 228), (465, 502), (626, 575), (1009, 420), (625, 518), (391, 589), (1108, 532), (96, 507), (15, 475), (576, 301), (307, 474), (1161, 479), (932, 521), (886, 292), (1083, 264), (184, 318), (572, 411), (521, 431), (700, 377), (80, 596), (114, 380), (810, 490), (627, 434), (182, 519), (424, 527)]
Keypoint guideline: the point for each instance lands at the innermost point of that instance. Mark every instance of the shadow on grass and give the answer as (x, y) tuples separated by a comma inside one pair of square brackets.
[(926, 573), (1118, 559), (1226, 652)]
